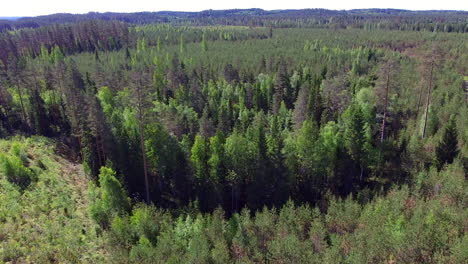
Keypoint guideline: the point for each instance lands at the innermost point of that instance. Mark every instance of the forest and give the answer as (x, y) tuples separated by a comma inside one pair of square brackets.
[(235, 136)]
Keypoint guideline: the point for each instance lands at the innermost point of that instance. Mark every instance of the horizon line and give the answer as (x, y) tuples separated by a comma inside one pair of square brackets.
[(293, 9)]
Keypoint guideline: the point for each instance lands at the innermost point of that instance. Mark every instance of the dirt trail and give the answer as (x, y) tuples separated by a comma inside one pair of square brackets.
[(74, 175)]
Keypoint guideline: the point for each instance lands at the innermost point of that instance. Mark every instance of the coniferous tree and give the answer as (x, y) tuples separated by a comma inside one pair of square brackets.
[(260, 189), (447, 149), (315, 104), (231, 74), (282, 88), (39, 114), (141, 97), (300, 107), (354, 136), (207, 128), (199, 157), (307, 179), (16, 68)]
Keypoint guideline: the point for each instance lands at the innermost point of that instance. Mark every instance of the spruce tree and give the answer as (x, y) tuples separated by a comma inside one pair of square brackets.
[(354, 136), (447, 149)]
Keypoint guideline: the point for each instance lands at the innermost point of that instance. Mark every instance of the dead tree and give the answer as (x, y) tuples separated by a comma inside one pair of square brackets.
[(387, 82), (431, 62)]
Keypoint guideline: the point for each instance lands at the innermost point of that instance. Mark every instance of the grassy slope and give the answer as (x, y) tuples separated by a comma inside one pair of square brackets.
[(47, 222)]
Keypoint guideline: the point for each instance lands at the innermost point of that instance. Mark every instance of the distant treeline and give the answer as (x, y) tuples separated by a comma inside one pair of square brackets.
[(70, 38), (99, 35), (392, 19)]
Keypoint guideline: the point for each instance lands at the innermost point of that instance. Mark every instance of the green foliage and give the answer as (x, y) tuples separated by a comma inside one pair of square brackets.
[(239, 153), (109, 198), (232, 117), (57, 55), (215, 162), (406, 225), (199, 158), (15, 166)]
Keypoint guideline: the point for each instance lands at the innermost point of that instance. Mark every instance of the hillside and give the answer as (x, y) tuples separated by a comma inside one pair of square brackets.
[(44, 206)]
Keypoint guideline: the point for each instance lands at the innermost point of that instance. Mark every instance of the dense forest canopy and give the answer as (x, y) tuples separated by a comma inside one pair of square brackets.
[(245, 136)]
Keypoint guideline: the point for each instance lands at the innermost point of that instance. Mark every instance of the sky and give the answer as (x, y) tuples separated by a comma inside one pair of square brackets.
[(15, 8)]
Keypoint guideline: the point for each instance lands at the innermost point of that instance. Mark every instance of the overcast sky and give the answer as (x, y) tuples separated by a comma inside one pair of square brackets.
[(44, 7)]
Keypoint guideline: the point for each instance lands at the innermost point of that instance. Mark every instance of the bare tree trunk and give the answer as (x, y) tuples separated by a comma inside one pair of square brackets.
[(360, 175), (98, 150), (232, 198), (428, 100), (385, 106), (419, 100)]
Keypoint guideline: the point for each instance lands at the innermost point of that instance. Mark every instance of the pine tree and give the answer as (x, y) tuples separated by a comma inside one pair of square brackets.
[(141, 83)]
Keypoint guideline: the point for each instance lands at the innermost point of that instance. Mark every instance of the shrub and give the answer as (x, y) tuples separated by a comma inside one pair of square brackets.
[(143, 252), (109, 199), (121, 233), (145, 223), (15, 171), (17, 149), (343, 216)]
